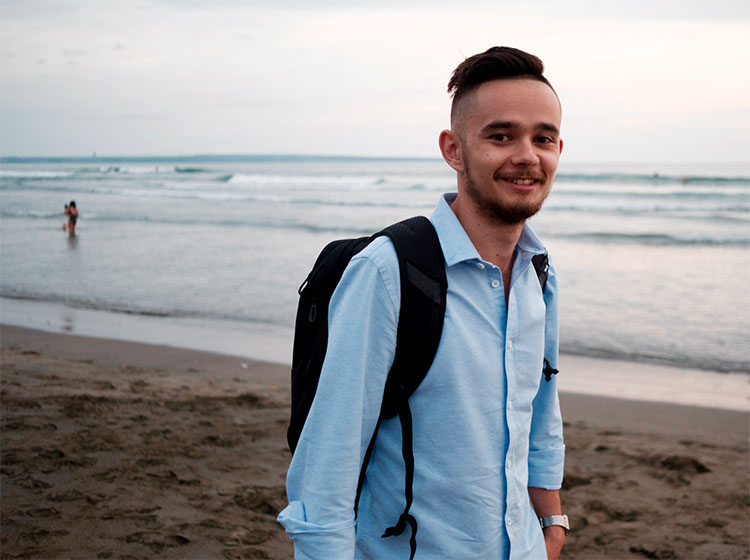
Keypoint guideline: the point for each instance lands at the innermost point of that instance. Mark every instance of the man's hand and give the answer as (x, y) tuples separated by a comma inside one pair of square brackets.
[(554, 539)]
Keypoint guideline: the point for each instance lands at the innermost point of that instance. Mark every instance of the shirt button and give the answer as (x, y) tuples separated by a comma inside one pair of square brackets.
[(509, 520), (496, 283), (480, 266), (509, 464), (510, 344)]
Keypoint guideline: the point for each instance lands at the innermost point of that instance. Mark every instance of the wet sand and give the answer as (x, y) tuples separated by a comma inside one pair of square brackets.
[(113, 449)]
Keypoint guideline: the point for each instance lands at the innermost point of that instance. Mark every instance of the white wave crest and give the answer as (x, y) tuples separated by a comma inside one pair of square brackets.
[(303, 181), (35, 173)]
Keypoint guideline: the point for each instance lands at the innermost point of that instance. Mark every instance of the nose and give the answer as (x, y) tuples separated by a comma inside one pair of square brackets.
[(525, 153)]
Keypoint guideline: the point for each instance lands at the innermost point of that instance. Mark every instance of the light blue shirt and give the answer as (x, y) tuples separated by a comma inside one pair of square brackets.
[(486, 423)]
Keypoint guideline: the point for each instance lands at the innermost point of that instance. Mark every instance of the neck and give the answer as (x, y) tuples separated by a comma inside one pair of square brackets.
[(495, 241)]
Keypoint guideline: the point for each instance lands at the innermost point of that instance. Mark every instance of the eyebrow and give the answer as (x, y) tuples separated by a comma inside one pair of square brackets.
[(504, 125)]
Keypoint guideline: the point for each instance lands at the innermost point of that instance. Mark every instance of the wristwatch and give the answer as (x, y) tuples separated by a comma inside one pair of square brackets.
[(550, 520)]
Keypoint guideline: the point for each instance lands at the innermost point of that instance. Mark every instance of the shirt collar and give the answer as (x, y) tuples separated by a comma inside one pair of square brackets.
[(457, 246)]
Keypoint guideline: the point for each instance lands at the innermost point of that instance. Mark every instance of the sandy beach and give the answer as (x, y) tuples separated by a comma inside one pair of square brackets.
[(114, 449)]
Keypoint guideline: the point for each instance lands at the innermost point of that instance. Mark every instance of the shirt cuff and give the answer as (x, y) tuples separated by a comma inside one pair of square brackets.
[(546, 468), (312, 541)]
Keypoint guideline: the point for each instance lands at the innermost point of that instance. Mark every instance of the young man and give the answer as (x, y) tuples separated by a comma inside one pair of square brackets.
[(488, 448)]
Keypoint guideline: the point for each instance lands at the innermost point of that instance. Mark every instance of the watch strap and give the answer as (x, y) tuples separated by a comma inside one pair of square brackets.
[(550, 520)]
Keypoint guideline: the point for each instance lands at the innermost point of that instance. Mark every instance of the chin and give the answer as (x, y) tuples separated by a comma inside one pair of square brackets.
[(508, 208), (511, 214)]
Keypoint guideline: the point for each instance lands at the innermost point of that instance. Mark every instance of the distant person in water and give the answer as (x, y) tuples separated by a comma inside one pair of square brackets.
[(72, 213)]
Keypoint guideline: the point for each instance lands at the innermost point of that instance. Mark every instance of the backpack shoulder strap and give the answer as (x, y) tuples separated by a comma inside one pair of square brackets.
[(541, 265), (424, 288), (423, 296)]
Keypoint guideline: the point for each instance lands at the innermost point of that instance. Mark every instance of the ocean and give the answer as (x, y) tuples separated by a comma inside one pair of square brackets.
[(653, 260)]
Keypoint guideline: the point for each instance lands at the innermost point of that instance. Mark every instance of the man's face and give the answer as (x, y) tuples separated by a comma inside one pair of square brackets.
[(509, 142)]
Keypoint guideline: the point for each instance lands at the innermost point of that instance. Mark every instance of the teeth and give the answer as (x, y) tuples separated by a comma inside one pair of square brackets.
[(524, 182)]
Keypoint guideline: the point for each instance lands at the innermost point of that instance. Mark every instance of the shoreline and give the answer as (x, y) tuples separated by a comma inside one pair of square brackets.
[(646, 415), (602, 377), (121, 449)]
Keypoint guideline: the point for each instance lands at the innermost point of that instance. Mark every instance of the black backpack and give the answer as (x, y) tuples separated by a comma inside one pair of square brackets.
[(420, 326)]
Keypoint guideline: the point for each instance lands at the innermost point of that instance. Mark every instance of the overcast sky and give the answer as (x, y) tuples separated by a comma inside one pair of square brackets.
[(640, 81)]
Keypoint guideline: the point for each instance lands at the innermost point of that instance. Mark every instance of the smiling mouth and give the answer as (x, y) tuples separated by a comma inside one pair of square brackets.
[(521, 181)]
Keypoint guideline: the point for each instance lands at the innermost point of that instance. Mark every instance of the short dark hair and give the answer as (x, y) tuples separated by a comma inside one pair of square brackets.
[(496, 63)]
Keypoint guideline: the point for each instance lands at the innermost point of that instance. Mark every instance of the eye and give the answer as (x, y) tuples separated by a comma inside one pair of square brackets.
[(545, 140), (500, 137)]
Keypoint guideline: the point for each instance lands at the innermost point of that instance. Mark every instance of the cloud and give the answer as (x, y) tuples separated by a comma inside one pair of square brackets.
[(365, 79), (640, 10)]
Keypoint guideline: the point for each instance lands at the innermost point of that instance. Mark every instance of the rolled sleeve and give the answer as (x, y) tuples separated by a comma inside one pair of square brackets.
[(313, 541), (546, 449), (546, 468)]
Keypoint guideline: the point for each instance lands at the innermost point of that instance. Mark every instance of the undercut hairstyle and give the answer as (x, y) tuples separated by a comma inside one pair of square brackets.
[(496, 63)]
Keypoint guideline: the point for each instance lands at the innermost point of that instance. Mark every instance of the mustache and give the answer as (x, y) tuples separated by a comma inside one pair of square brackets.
[(515, 175)]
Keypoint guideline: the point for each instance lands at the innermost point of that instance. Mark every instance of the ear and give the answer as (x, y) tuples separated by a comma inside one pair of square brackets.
[(450, 147), (561, 146)]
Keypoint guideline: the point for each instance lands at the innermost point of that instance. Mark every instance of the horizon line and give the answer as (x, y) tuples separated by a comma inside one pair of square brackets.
[(207, 157), (197, 157)]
